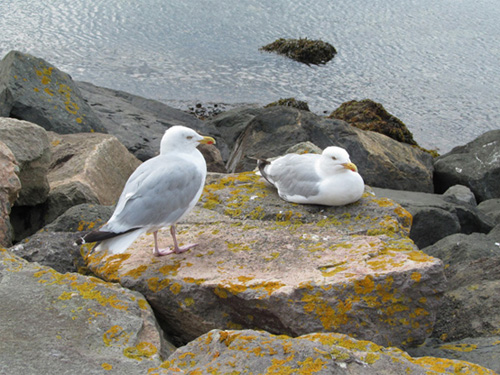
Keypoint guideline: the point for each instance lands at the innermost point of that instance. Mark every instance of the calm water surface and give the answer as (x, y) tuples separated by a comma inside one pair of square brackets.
[(432, 63)]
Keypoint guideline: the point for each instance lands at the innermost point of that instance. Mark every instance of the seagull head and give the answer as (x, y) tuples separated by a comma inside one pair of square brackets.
[(182, 138), (335, 159)]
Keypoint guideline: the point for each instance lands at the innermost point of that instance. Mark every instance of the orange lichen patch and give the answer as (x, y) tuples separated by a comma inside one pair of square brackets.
[(243, 186), (116, 336), (143, 350), (446, 366), (416, 276), (364, 286), (143, 304), (86, 290), (192, 280), (107, 366), (269, 286), (156, 285), (407, 218), (175, 288), (136, 272), (311, 366), (12, 263), (109, 267), (236, 247), (219, 292), (170, 269), (330, 317)]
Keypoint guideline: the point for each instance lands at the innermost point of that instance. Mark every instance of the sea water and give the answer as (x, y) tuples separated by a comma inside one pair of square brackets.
[(435, 64)]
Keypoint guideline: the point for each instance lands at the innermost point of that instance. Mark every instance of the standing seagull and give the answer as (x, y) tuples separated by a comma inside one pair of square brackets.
[(328, 179), (159, 193)]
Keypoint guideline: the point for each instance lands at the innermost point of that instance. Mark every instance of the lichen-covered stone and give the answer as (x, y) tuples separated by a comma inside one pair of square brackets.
[(286, 268), (34, 90), (303, 50), (252, 352), (55, 323)]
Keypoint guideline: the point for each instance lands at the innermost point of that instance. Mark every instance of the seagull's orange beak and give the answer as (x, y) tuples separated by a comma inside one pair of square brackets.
[(350, 166), (207, 141)]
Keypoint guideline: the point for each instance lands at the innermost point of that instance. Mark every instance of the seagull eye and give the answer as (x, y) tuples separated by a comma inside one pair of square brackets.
[(334, 158), (189, 137)]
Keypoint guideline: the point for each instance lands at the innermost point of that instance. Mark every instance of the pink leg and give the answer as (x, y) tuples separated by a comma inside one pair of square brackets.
[(177, 250)]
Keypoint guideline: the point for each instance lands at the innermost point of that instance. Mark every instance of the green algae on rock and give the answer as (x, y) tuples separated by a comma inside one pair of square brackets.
[(303, 50)]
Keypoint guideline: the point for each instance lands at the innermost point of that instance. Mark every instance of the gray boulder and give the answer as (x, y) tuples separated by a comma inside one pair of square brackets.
[(476, 165), (10, 185), (52, 249), (30, 145), (86, 168), (461, 195), (82, 217), (139, 123), (435, 217), (471, 305), (57, 323), (34, 90), (269, 132), (483, 351), (491, 208), (258, 352)]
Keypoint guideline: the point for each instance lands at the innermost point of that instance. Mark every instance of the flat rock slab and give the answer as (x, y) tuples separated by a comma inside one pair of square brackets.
[(57, 323), (265, 264), (252, 352)]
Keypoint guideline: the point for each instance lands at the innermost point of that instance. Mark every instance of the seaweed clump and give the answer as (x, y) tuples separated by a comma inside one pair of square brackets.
[(303, 50), (290, 102), (369, 115)]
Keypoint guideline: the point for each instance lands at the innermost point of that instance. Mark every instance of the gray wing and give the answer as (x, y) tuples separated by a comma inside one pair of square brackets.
[(294, 174), (158, 192)]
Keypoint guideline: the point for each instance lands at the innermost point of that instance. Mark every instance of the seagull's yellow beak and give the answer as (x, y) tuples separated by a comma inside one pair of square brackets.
[(207, 141), (350, 166)]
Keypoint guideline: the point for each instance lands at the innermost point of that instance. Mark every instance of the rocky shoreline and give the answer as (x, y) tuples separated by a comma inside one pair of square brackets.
[(404, 281)]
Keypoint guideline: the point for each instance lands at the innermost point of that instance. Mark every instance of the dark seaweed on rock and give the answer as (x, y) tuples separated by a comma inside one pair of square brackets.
[(303, 50)]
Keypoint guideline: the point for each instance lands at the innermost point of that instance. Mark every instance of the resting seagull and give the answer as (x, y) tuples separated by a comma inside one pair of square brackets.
[(328, 179), (159, 193)]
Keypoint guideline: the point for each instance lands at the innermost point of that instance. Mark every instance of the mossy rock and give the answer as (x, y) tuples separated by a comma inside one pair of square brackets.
[(290, 102), (303, 50), (369, 115)]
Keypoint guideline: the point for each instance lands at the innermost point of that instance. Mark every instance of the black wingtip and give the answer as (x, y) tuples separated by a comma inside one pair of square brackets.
[(98, 236), (262, 164)]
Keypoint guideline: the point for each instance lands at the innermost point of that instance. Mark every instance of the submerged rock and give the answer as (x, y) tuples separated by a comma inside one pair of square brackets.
[(290, 102), (303, 50)]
